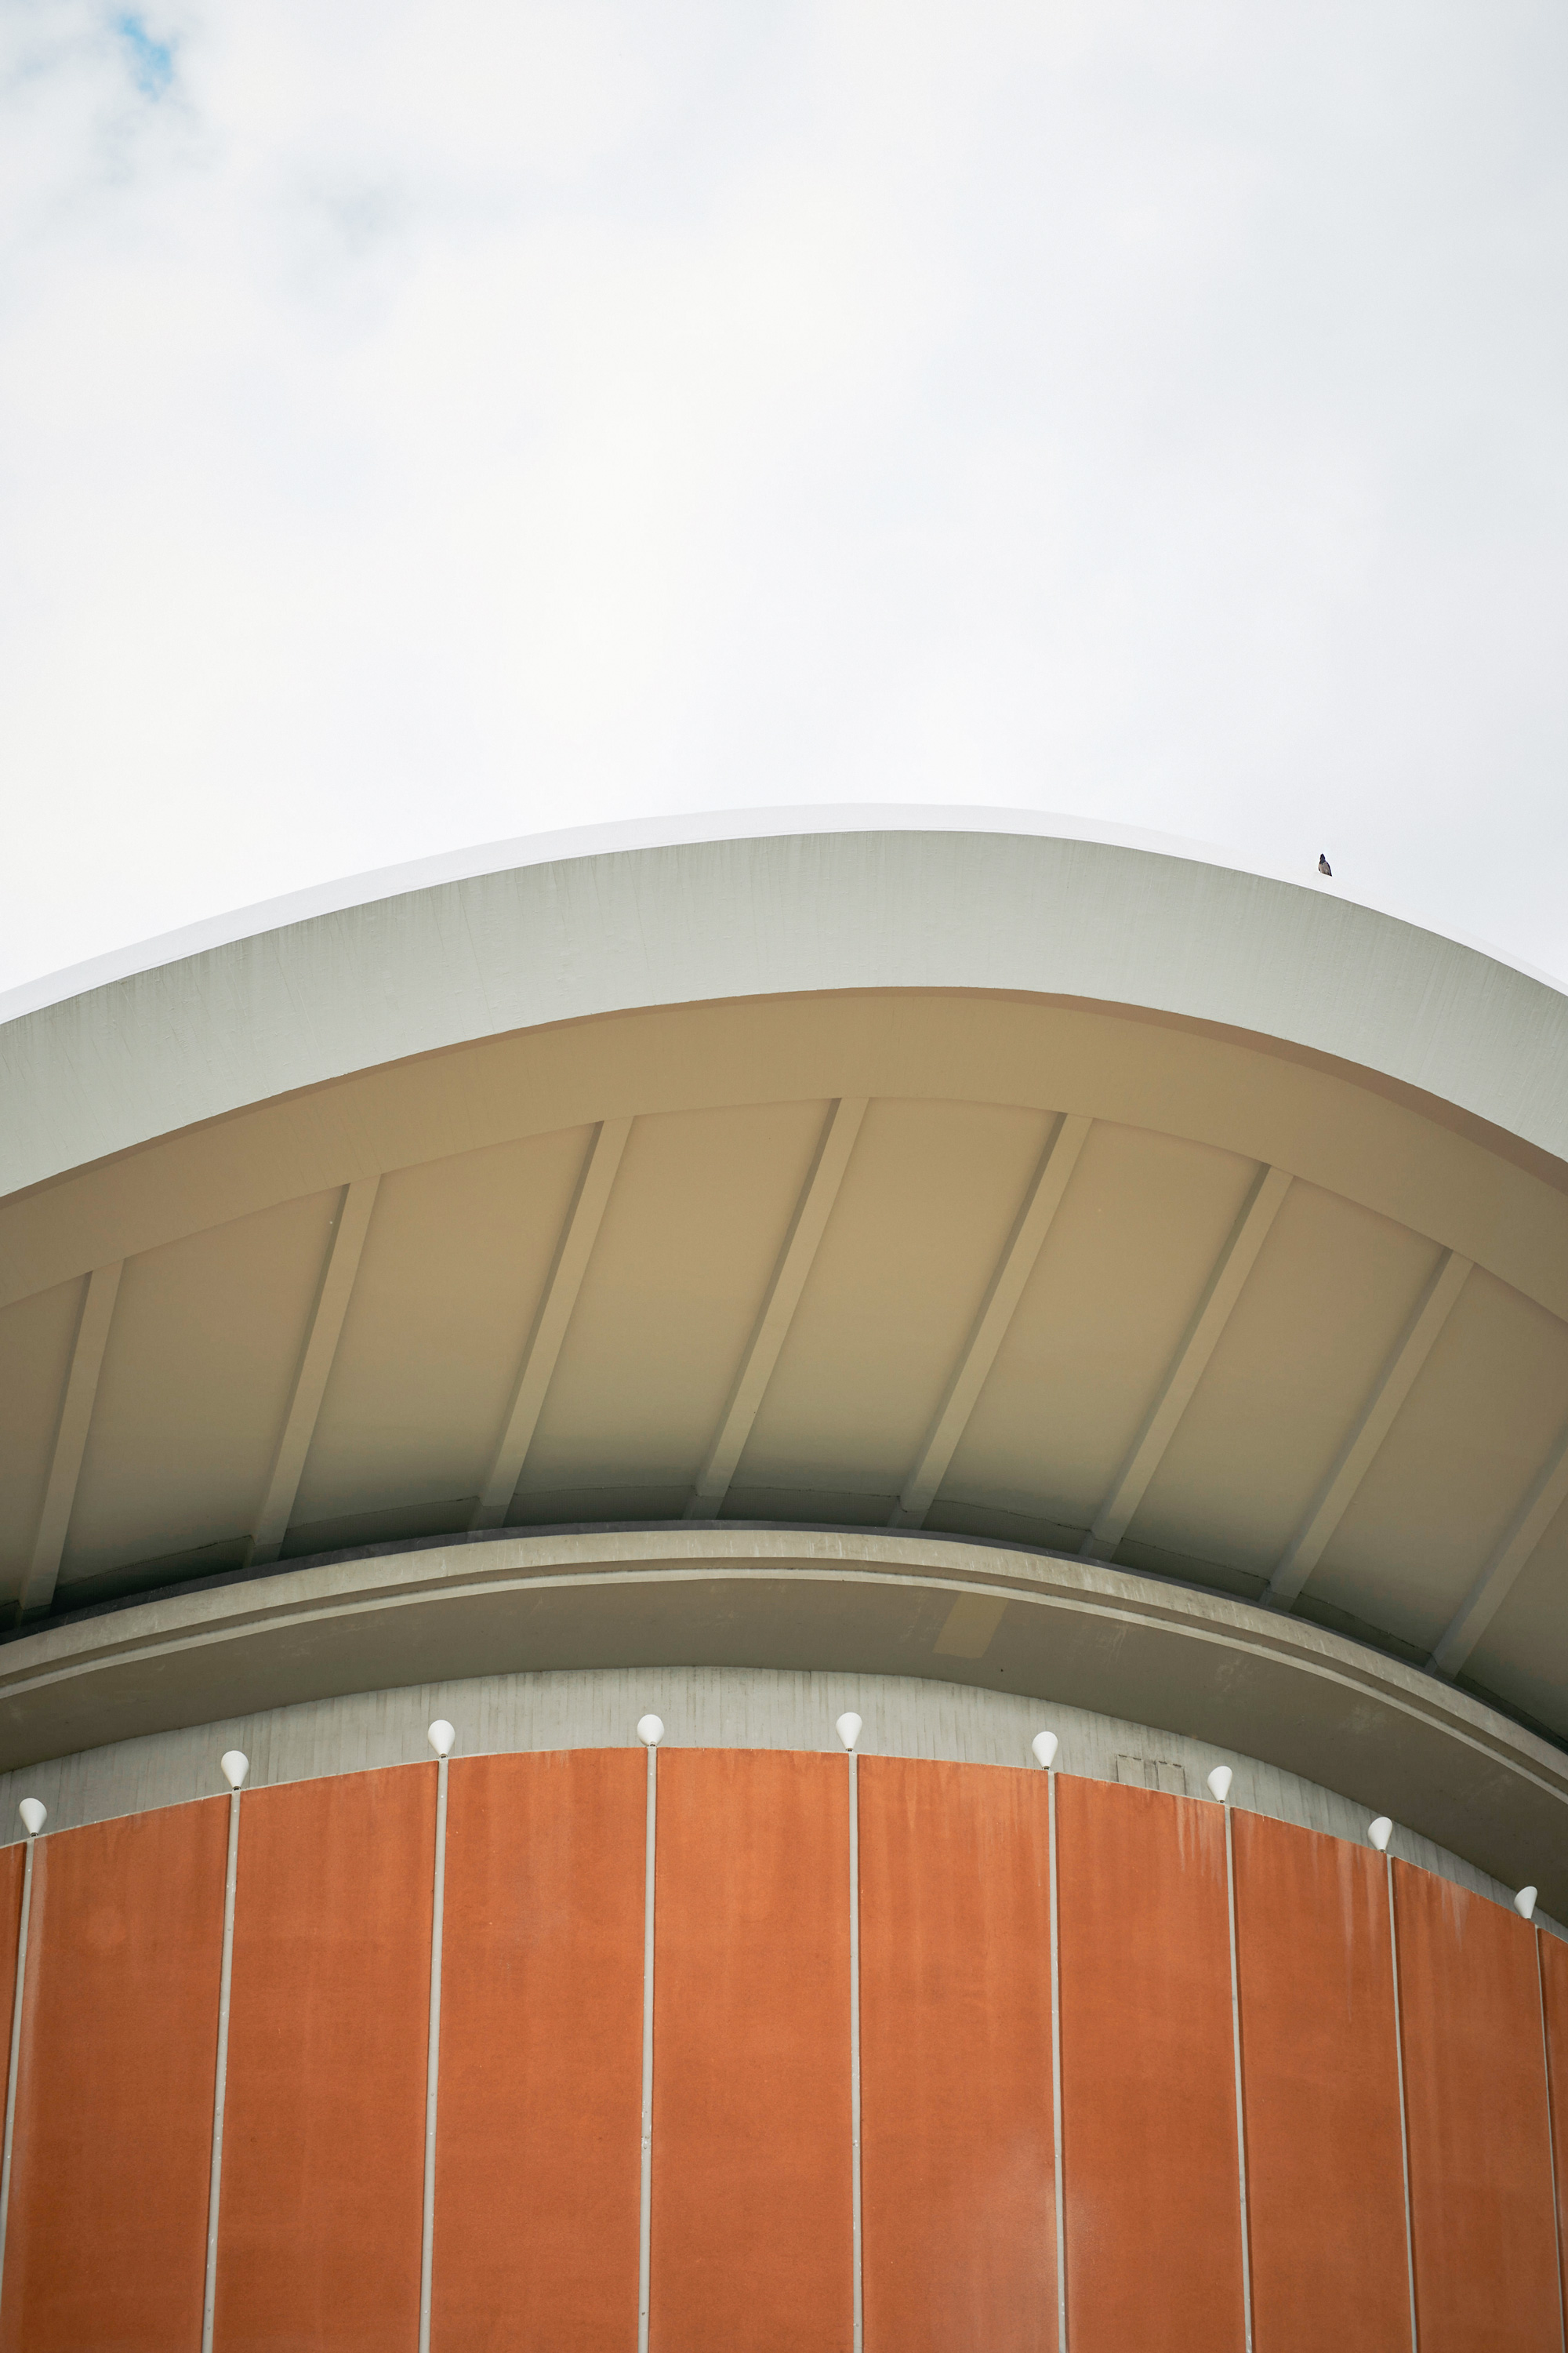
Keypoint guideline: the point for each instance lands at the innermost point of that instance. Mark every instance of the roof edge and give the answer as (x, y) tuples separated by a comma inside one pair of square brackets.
[(366, 888), (625, 919)]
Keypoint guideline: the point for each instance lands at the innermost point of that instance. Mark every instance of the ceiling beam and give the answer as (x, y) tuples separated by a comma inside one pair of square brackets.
[(1030, 1227), (1498, 1579), (1221, 1292), (768, 1334), (573, 1251), (1354, 1460), (70, 1438), (336, 1288)]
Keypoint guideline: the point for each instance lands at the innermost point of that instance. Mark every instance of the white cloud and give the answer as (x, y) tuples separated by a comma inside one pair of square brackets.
[(426, 425)]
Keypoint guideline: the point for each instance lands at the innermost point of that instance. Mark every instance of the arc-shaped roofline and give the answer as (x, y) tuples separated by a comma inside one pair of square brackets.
[(272, 1000)]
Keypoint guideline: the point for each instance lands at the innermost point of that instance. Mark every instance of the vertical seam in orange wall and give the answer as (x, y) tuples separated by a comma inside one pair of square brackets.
[(1403, 2119), (16, 2001), (1240, 2109), (433, 2060), (1550, 2141), (1056, 2067), (644, 2198), (856, 2224), (220, 2072)]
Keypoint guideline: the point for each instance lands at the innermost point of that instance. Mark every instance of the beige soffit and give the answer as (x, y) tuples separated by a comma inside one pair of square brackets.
[(868, 900)]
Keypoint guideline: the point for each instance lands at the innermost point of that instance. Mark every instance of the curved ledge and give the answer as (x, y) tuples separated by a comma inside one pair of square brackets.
[(1273, 1688)]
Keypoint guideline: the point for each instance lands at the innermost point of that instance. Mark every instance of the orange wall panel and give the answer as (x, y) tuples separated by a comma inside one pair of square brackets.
[(1552, 1958), (107, 2238), (324, 2131), (1475, 2088), (540, 2117), (537, 2158), (1153, 2222), (1320, 2070), (955, 2060), (752, 2235)]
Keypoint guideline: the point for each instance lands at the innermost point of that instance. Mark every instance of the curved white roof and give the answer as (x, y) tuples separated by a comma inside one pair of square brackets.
[(510, 936), (932, 1171)]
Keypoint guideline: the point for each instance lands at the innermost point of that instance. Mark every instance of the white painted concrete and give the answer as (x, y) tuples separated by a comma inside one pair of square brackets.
[(904, 902)]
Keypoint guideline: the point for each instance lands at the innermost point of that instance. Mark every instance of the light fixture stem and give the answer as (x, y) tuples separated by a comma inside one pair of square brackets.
[(1403, 2119), (1240, 2105), (433, 2059), (860, 2314), (16, 2000), (645, 2202), (1057, 2065), (1551, 2140), (220, 2072)]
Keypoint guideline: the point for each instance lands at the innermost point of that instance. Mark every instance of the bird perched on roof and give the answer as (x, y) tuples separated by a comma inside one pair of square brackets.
[(1323, 866)]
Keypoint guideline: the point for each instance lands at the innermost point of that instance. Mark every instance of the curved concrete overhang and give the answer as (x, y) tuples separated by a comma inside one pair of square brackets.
[(1000, 1184), (695, 922), (1088, 1637)]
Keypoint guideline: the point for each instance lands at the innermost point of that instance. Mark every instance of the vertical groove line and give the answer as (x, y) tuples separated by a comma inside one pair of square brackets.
[(1240, 2107), (645, 2203), (860, 2314), (220, 2073), (1057, 2069), (1551, 2144), (1403, 2123), (16, 2000), (433, 2060)]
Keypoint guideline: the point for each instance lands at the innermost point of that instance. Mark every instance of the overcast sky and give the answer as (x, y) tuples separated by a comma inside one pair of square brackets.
[(425, 424)]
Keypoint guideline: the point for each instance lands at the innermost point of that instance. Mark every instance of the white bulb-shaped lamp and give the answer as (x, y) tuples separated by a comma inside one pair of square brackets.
[(1524, 1903), (235, 1765), (1380, 1832), (1220, 1780), (849, 1727), (33, 1816), (650, 1730), (1045, 1745)]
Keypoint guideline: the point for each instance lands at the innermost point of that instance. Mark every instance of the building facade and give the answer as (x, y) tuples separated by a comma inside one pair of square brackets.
[(801, 1592)]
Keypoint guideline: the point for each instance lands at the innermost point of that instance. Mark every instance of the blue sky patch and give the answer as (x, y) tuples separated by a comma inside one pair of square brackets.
[(151, 62)]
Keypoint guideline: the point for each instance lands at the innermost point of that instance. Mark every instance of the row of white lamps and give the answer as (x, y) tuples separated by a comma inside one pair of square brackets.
[(1044, 1745), (236, 1765)]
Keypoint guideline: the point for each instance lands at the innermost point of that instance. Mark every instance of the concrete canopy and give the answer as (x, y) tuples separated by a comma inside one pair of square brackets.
[(1057, 1193)]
